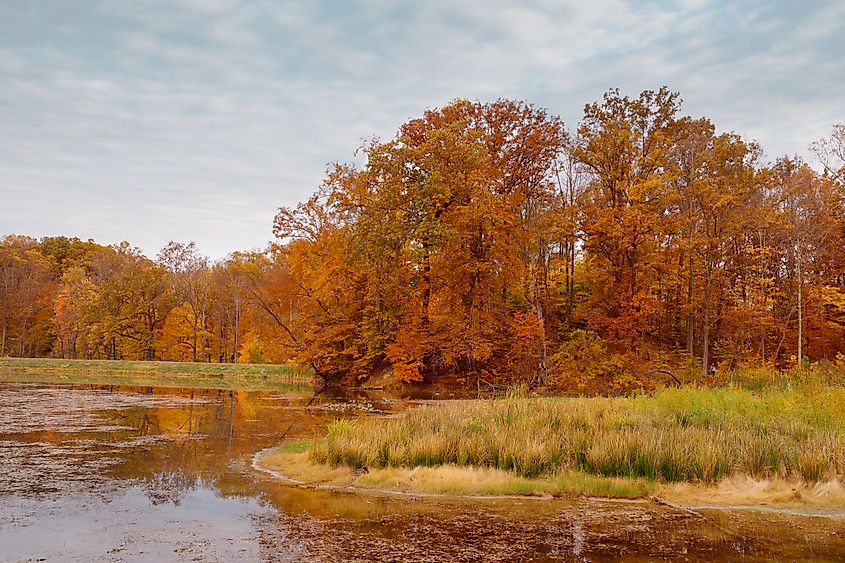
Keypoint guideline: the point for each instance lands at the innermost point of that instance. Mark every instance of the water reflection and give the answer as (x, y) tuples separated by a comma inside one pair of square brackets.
[(143, 473)]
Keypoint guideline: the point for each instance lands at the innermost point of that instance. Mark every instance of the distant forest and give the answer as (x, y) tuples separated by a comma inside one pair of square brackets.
[(485, 240)]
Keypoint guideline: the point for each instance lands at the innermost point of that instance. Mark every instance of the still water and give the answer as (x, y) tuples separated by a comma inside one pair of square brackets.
[(121, 473)]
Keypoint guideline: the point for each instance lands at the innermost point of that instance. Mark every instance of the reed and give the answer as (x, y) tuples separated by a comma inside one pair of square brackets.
[(689, 434)]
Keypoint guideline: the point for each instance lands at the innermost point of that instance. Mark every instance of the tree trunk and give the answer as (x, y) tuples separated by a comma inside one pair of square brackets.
[(705, 337), (690, 316), (237, 329), (205, 348), (194, 340), (800, 307), (542, 367), (570, 305), (22, 345), (426, 296)]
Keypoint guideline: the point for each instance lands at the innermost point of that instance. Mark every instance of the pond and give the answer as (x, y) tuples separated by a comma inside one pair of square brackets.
[(121, 473)]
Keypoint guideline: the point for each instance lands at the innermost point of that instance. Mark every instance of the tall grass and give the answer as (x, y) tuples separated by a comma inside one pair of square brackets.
[(689, 434), (823, 373)]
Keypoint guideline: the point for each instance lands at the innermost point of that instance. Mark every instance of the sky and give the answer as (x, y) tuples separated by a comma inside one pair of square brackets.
[(195, 120)]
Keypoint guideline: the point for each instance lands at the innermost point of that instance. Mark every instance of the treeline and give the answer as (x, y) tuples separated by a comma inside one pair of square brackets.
[(488, 240), (67, 298)]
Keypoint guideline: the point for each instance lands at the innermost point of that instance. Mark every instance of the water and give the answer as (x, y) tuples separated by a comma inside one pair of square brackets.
[(119, 473)]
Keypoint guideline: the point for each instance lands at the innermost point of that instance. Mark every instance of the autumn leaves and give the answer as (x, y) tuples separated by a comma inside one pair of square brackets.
[(479, 238), (485, 240)]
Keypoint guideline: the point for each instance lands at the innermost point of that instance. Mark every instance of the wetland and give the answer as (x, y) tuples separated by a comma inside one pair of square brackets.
[(96, 472)]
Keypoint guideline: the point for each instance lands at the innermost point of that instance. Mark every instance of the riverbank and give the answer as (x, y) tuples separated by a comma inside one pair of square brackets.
[(691, 443), (291, 464), (164, 374)]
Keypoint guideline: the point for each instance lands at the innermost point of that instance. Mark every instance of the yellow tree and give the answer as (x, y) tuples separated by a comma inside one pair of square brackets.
[(75, 312), (134, 300), (25, 292), (190, 281)]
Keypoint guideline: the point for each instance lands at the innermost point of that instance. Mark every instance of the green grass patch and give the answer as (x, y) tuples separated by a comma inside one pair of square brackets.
[(297, 447), (162, 374)]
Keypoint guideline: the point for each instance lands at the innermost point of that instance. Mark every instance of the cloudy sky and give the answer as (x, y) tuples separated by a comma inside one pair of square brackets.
[(151, 121)]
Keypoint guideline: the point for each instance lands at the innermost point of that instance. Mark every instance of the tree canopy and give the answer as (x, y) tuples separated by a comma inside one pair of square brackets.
[(484, 240)]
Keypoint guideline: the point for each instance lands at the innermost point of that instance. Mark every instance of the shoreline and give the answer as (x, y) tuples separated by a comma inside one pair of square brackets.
[(315, 485), (159, 374), (738, 492)]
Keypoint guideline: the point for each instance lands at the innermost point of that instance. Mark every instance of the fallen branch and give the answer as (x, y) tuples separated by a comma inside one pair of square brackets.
[(667, 372)]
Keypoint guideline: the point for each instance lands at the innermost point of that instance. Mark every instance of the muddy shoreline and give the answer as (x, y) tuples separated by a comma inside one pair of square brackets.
[(820, 500)]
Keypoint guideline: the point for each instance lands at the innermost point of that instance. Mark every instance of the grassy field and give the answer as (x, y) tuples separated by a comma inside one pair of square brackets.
[(688, 435), (170, 374)]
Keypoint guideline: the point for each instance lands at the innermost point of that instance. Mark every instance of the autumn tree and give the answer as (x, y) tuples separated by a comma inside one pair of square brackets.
[(318, 297), (812, 211), (624, 142), (228, 282), (25, 275), (134, 298), (432, 255), (190, 280), (831, 153)]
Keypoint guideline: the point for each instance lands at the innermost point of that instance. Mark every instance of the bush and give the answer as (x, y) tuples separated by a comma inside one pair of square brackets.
[(583, 362)]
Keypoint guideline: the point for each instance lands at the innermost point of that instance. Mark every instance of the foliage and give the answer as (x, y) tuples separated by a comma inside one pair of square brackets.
[(583, 360), (485, 241)]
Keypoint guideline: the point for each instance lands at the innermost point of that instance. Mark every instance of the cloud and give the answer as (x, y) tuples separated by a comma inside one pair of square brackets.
[(195, 120)]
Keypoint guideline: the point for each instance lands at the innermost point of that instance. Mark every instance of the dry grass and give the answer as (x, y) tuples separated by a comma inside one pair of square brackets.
[(745, 490), (297, 465), (690, 434)]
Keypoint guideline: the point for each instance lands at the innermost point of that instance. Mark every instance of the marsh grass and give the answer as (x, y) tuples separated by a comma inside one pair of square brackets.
[(689, 434), (454, 480), (293, 461)]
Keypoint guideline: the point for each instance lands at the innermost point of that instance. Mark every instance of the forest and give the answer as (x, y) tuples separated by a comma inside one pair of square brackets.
[(486, 241)]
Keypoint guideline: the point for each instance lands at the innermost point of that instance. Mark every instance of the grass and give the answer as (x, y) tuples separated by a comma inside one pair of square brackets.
[(823, 373), (294, 461), (698, 435), (168, 374), (743, 490)]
